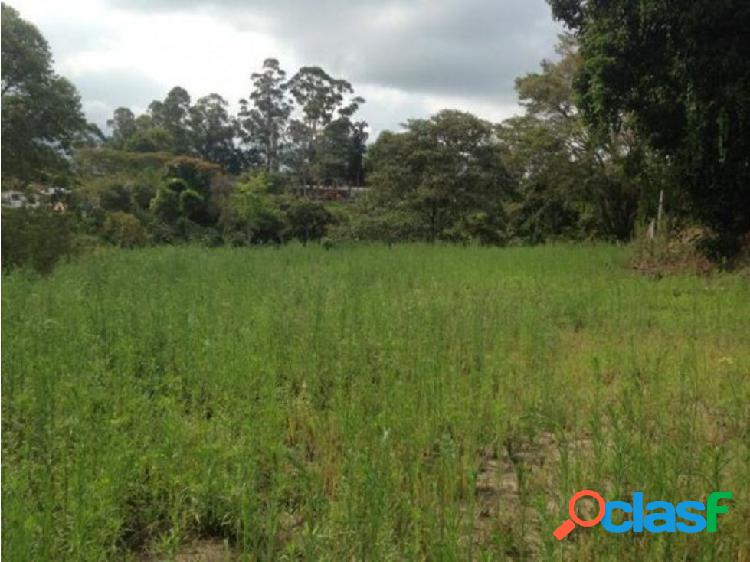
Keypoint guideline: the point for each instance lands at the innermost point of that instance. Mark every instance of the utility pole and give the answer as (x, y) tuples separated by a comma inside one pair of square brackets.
[(659, 212)]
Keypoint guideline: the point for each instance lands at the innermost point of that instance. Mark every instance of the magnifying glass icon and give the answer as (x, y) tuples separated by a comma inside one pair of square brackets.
[(569, 524)]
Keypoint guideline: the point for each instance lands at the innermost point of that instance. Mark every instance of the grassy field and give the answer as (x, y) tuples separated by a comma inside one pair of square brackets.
[(367, 403)]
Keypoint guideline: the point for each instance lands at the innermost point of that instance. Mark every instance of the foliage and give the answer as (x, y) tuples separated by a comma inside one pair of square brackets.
[(253, 211), (197, 174), (627, 111), (324, 142), (35, 238), (320, 96), (213, 132), (307, 220), (340, 152), (149, 138), (98, 162), (442, 171), (123, 126), (116, 197), (173, 114), (166, 204), (369, 220), (265, 123), (41, 111), (681, 73), (571, 184), (124, 230), (191, 204)]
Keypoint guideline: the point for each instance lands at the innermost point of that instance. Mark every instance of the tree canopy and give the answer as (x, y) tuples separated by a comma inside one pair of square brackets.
[(447, 173), (680, 73), (41, 111)]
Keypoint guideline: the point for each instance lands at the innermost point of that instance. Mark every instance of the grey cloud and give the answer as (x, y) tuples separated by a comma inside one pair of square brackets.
[(118, 86), (456, 48), (114, 88)]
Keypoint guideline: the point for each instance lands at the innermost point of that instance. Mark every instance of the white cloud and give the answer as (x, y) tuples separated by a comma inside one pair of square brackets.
[(118, 57), (408, 60)]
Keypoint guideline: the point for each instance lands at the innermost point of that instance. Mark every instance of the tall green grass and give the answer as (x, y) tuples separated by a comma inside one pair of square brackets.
[(368, 403)]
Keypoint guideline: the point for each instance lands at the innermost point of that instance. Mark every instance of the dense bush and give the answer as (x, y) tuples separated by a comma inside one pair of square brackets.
[(97, 162), (307, 220), (124, 230), (191, 204), (116, 197), (195, 172), (367, 221), (251, 213), (166, 205), (35, 238)]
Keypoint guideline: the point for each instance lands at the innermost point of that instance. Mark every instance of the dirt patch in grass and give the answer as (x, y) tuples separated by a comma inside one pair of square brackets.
[(504, 514), (208, 550)]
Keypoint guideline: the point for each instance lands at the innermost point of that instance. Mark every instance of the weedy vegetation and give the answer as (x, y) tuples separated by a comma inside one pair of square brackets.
[(419, 402)]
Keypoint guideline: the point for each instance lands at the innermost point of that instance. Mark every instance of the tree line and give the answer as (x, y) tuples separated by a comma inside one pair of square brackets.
[(630, 109), (305, 124)]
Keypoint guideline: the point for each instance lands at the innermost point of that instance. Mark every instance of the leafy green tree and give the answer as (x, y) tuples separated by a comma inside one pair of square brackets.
[(321, 99), (308, 220), (149, 137), (26, 56), (340, 151), (252, 211), (41, 111), (359, 136), (123, 126), (173, 115), (570, 183), (91, 136), (187, 192), (681, 72), (214, 131), (319, 96), (35, 238), (107, 162), (264, 124), (443, 170)]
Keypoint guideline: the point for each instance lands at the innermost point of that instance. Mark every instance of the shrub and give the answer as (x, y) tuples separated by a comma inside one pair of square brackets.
[(378, 224), (191, 203), (251, 214), (124, 230), (166, 205), (196, 173), (99, 162), (308, 220), (116, 197), (677, 250), (178, 185), (35, 238), (143, 193)]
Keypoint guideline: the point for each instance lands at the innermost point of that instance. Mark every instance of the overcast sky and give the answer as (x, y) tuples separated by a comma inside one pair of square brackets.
[(408, 58)]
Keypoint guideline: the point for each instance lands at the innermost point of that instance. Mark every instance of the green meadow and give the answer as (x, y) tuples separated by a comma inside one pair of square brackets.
[(367, 403)]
